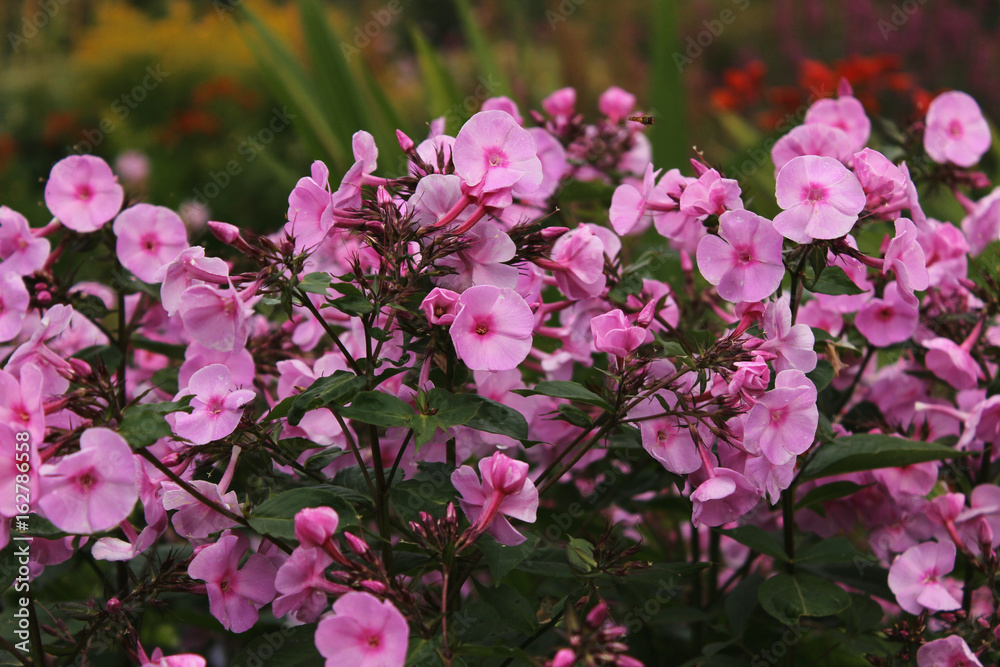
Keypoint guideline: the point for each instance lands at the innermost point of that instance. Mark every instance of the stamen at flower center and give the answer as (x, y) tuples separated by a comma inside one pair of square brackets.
[(482, 329)]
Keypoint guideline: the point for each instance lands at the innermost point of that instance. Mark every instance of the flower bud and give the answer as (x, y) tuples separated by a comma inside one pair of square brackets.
[(113, 606), (552, 233), (564, 658), (357, 545), (315, 525), (597, 615), (405, 143), (376, 587), (224, 231)]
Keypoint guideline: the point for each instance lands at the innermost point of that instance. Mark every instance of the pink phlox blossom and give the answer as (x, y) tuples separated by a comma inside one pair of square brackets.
[(20, 250), (149, 237), (710, 194), (301, 585), (882, 181), (815, 139), (36, 351), (946, 252), (481, 263), (917, 578), (820, 199), (891, 319), (505, 491), (616, 104), (792, 345), (782, 423), (157, 659), (496, 158), (577, 262), (440, 306), (956, 130), (666, 437), (505, 104), (906, 259), (982, 222), (363, 631), (950, 651), (218, 406), (614, 334), (846, 114), (744, 261), (83, 193), (235, 594), (217, 318), (190, 267), (722, 498)]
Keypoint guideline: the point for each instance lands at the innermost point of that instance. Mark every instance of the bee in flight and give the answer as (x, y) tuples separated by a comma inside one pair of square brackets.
[(644, 119)]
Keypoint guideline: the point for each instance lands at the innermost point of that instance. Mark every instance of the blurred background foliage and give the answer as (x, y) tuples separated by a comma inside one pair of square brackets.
[(724, 76)]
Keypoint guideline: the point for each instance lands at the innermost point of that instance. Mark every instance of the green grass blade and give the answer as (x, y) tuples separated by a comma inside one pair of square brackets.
[(442, 93), (671, 144), (481, 47)]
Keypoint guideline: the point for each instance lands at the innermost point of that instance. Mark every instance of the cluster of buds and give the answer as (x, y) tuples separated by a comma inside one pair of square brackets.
[(436, 535), (595, 642)]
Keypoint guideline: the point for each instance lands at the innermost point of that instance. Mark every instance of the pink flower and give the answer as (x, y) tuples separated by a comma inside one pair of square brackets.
[(234, 594), (811, 140), (14, 302), (363, 632), (483, 262), (20, 251), (157, 659), (952, 363), (916, 578), (956, 130), (710, 194), (441, 305), (820, 197), (725, 496), (10, 459), (948, 652), (793, 345), (504, 492), (782, 423), (215, 318), (83, 193), (616, 103), (133, 167), (744, 260), (616, 335), (882, 181), (496, 158), (190, 267), (577, 262), (505, 104), (148, 238), (194, 519), (314, 526), (492, 331), (302, 583), (666, 437), (218, 406), (982, 224), (891, 319), (906, 259), (93, 489), (845, 114)]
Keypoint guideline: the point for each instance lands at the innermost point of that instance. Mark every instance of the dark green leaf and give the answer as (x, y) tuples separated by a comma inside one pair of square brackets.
[(822, 375), (833, 280), (144, 424), (580, 554), (378, 408), (870, 451), (282, 647), (512, 607), (494, 417), (758, 540), (166, 349), (336, 390), (318, 461), (89, 305), (276, 515), (829, 550), (166, 380), (315, 283), (452, 409), (573, 391), (742, 602), (831, 491), (502, 558), (353, 305), (788, 598), (863, 615), (575, 416)]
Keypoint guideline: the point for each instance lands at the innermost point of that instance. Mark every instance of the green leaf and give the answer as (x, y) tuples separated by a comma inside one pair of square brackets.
[(863, 615), (831, 491), (788, 598), (575, 416), (573, 391), (282, 647), (166, 349), (822, 375), (741, 603), (378, 408), (512, 607), (502, 558), (870, 451), (580, 554), (758, 540), (353, 305), (494, 417), (166, 380), (480, 46), (41, 527), (336, 390), (829, 550), (276, 515), (833, 280), (315, 283), (452, 409), (144, 424)]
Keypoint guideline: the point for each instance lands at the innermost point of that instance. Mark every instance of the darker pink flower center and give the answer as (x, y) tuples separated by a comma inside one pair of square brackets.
[(815, 193), (88, 480), (150, 243), (497, 158), (955, 129), (84, 193), (482, 329), (374, 641)]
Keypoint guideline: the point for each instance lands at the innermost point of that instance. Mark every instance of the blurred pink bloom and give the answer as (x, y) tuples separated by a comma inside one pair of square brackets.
[(782, 423), (956, 130), (891, 319), (552, 155), (952, 363), (505, 491), (982, 224), (149, 237), (820, 197), (36, 352), (496, 158), (845, 114), (363, 632), (218, 406), (917, 580), (20, 251), (812, 140), (882, 181), (157, 659), (133, 167), (14, 302), (948, 652), (493, 328), (505, 104), (710, 194), (744, 260), (616, 335), (723, 497), (234, 594), (793, 345), (93, 489), (560, 103), (616, 103), (83, 193)]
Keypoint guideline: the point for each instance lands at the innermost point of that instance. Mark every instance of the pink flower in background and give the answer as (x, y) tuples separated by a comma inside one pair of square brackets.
[(157, 659), (481, 263), (666, 437), (189, 267), (20, 251), (956, 130), (891, 319), (493, 328), (149, 237), (710, 194), (83, 193), (577, 262), (218, 406), (363, 632), (93, 489), (616, 103), (782, 423), (952, 363), (811, 140), (948, 652), (496, 158), (505, 104), (215, 318), (982, 224), (820, 197), (616, 335), (917, 578), (14, 302), (845, 114), (628, 203), (744, 260), (504, 492), (194, 519), (234, 594), (725, 496)]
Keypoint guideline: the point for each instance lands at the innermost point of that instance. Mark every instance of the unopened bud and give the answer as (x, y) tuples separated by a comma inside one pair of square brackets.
[(405, 143), (80, 367), (985, 533), (224, 231), (564, 658), (597, 615), (450, 514), (113, 606), (552, 233), (357, 545), (376, 587), (43, 297), (382, 196)]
